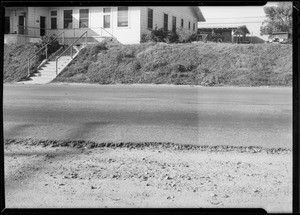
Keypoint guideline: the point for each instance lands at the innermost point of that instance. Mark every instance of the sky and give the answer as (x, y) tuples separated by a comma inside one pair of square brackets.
[(251, 16)]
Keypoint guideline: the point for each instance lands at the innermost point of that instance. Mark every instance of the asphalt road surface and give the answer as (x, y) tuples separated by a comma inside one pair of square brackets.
[(150, 113)]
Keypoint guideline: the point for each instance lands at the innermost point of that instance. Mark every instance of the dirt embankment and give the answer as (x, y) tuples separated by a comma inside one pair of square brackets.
[(49, 175)]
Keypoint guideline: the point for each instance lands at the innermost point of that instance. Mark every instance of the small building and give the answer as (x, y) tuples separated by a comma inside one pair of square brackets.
[(224, 32), (125, 24)]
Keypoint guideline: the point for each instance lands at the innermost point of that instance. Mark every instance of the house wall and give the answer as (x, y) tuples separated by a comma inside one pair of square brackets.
[(33, 23), (184, 13), (14, 14), (126, 35)]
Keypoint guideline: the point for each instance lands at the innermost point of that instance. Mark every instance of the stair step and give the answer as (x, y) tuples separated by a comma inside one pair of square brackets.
[(48, 71)]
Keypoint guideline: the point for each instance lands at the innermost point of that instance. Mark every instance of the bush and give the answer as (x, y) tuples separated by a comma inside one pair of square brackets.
[(51, 48), (159, 35), (185, 36), (179, 36)]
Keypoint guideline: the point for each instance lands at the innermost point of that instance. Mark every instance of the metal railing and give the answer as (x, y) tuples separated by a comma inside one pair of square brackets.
[(46, 51), (71, 32), (71, 46), (110, 35)]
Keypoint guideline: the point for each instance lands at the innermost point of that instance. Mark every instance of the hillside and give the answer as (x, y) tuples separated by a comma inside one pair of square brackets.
[(160, 63), (15, 61), (188, 64)]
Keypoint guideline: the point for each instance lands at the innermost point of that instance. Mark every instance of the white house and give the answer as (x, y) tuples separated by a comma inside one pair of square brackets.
[(126, 24)]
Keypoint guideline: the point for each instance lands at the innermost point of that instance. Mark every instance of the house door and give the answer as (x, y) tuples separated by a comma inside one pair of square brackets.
[(21, 25), (107, 22), (42, 26), (7, 25)]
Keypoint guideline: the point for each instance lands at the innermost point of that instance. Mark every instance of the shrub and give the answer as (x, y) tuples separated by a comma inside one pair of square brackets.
[(159, 35), (51, 48), (172, 37)]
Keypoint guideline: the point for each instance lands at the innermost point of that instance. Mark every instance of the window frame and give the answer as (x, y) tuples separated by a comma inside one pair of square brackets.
[(107, 14), (189, 25), (52, 17), (166, 22), (118, 17), (182, 23), (106, 11), (68, 19), (52, 12), (150, 19), (84, 18)]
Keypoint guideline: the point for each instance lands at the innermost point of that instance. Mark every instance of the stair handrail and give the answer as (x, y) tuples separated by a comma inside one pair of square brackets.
[(111, 35), (45, 46), (71, 49)]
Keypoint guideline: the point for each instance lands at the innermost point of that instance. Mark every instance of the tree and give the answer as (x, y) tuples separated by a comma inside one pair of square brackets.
[(279, 18)]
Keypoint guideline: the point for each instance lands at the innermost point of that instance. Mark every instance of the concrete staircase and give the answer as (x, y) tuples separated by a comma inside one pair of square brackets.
[(47, 72)]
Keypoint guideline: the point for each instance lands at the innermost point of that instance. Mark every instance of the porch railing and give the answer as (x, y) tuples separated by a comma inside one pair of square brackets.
[(71, 46), (72, 32), (46, 51)]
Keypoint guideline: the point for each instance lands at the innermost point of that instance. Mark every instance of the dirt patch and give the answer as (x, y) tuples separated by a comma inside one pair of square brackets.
[(45, 176)]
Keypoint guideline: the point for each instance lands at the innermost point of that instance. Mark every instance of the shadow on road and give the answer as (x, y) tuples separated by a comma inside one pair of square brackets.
[(82, 131), (17, 130)]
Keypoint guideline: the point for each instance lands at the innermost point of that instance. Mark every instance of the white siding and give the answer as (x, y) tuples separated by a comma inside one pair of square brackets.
[(14, 14), (184, 13), (126, 35), (33, 22)]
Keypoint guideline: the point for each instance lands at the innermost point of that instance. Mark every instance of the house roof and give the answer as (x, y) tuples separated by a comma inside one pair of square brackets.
[(223, 26), (198, 14)]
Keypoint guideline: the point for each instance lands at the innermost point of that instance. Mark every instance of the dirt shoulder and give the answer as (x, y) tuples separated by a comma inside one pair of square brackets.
[(49, 176)]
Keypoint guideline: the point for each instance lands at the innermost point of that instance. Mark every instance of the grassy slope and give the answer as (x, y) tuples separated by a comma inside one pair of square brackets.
[(197, 64), (15, 61)]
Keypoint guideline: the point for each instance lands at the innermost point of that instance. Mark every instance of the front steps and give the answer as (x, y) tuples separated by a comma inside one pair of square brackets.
[(48, 72)]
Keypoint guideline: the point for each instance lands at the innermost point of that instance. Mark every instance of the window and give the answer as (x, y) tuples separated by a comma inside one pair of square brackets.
[(122, 16), (150, 18), (83, 18), (181, 23), (53, 13), (189, 25), (165, 22), (173, 23), (53, 19), (68, 19), (194, 26), (7, 25), (106, 17), (106, 10)]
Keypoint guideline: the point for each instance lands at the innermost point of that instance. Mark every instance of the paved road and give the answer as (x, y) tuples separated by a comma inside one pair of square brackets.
[(121, 113)]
